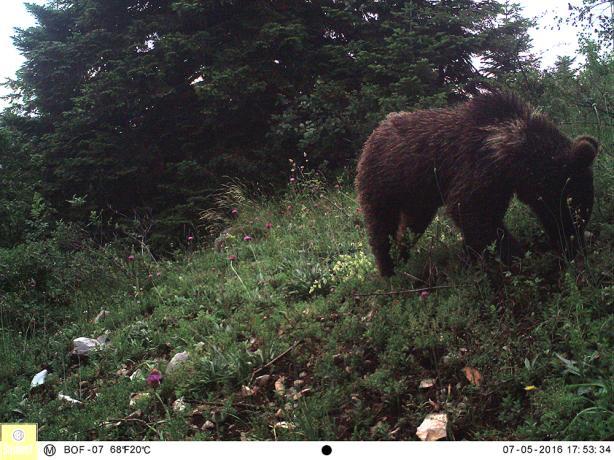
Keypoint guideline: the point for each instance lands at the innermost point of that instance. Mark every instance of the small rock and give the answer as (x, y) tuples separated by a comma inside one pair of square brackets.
[(138, 374), (122, 371), (83, 346), (284, 426), (298, 383), (247, 391), (176, 361), (262, 380), (280, 388), (427, 383), (208, 425), (179, 405), (136, 397)]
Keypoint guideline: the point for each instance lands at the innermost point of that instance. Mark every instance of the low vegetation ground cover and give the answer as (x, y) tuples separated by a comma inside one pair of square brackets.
[(291, 334)]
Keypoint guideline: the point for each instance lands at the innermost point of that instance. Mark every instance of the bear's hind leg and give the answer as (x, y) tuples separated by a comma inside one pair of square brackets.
[(478, 235), (382, 225)]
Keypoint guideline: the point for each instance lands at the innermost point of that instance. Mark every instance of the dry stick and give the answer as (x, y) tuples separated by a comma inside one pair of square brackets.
[(409, 275), (274, 360), (404, 291), (224, 403)]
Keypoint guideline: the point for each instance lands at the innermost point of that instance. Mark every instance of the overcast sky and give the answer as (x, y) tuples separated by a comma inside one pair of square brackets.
[(547, 43)]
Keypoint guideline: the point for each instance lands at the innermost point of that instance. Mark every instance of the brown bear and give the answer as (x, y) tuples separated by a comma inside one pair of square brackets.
[(472, 159)]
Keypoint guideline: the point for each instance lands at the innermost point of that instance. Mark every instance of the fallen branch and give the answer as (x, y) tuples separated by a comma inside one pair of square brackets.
[(274, 360), (403, 291)]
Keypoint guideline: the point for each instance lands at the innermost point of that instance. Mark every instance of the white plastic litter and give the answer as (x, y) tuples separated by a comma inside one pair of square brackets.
[(63, 397), (39, 378), (434, 427)]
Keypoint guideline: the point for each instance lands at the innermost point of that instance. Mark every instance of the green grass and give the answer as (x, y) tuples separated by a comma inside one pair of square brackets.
[(302, 303)]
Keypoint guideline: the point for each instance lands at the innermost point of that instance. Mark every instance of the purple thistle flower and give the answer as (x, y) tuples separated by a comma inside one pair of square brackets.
[(130, 258), (154, 378), (424, 295), (268, 225), (232, 258)]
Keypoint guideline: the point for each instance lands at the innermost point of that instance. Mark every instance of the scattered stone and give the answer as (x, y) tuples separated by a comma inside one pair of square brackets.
[(284, 426), (247, 391), (280, 388), (208, 425), (136, 397), (83, 346), (138, 374), (176, 361), (179, 405), (263, 380)]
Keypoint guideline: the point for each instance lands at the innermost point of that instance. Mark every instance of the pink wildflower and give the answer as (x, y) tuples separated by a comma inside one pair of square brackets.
[(292, 180), (247, 238), (234, 212), (232, 258), (268, 225), (190, 238), (424, 295), (130, 258), (154, 378)]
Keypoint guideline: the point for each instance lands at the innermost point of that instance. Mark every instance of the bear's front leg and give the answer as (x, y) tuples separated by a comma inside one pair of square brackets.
[(478, 237), (508, 247)]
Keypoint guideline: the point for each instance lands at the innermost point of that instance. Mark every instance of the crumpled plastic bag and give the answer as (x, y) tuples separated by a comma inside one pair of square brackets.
[(433, 427)]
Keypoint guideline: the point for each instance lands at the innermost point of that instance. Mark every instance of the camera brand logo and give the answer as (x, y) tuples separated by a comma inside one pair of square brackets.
[(18, 442)]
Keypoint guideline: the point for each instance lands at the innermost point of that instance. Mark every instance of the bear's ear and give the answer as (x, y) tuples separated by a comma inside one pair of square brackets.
[(583, 151)]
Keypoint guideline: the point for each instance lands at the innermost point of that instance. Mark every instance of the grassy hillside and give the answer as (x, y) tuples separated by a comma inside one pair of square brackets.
[(521, 354)]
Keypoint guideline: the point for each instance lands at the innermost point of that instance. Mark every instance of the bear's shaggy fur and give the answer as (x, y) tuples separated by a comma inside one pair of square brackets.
[(472, 159)]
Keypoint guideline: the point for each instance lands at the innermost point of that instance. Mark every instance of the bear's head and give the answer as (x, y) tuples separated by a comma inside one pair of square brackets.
[(563, 196)]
